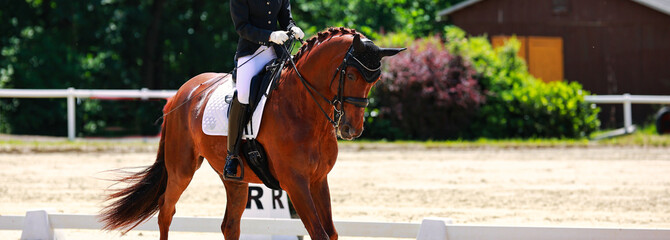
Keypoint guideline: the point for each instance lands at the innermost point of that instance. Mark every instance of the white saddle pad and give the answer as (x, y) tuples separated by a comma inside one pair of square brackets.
[(215, 118)]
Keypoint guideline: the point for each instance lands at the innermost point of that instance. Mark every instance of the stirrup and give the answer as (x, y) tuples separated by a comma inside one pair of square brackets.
[(234, 177)]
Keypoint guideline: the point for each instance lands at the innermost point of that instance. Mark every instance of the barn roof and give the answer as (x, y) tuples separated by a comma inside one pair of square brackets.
[(658, 5)]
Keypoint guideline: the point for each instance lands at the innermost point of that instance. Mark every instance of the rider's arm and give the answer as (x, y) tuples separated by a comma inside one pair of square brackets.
[(285, 18), (239, 10)]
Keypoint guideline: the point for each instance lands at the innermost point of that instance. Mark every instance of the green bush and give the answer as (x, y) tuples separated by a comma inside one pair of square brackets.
[(518, 105), (104, 118), (424, 93)]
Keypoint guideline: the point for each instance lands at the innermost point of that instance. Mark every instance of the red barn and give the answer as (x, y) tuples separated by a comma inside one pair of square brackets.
[(609, 46)]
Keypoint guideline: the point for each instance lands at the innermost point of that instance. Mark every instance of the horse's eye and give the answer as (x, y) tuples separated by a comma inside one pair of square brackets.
[(351, 76)]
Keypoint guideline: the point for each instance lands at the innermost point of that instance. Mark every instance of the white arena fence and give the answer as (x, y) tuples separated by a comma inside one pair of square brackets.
[(71, 94), (40, 225), (627, 100)]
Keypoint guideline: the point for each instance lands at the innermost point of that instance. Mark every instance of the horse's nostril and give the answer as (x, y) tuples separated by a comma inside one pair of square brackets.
[(348, 132), (346, 129)]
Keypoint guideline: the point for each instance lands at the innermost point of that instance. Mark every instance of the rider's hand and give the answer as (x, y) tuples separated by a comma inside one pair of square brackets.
[(278, 37), (297, 32)]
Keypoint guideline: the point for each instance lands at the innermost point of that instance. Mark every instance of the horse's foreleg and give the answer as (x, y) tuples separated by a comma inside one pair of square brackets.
[(299, 192), (236, 202), (321, 196)]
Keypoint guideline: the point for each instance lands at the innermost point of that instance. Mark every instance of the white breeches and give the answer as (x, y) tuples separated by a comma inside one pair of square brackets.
[(250, 69)]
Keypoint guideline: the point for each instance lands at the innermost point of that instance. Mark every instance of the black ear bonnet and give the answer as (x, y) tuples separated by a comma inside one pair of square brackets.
[(366, 60)]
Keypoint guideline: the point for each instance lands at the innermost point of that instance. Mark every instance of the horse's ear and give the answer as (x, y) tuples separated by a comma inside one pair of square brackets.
[(387, 52), (358, 44)]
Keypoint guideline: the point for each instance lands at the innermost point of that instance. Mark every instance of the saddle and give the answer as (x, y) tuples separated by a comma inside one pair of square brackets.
[(253, 150)]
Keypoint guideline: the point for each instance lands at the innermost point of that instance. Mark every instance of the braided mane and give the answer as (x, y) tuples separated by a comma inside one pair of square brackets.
[(322, 37)]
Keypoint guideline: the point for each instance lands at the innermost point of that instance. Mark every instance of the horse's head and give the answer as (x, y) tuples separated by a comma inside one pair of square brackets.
[(342, 67), (362, 69)]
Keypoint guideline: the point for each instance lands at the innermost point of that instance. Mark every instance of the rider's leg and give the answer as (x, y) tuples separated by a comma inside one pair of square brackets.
[(247, 68), (235, 126)]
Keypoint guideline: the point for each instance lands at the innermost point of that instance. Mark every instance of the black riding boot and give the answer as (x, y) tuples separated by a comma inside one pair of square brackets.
[(235, 127)]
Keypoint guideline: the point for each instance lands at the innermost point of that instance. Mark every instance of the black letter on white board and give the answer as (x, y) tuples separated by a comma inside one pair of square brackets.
[(276, 198), (255, 197)]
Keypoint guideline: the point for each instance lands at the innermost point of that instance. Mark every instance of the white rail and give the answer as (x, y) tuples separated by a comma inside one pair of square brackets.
[(638, 99), (41, 221), (71, 94), (40, 225), (627, 100)]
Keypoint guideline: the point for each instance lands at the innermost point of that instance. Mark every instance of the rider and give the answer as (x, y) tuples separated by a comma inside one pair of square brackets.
[(259, 23)]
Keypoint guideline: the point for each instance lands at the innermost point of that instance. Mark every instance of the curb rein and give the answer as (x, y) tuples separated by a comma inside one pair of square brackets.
[(339, 99)]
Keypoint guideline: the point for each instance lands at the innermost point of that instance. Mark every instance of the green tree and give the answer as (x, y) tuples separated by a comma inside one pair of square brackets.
[(372, 17), (105, 45)]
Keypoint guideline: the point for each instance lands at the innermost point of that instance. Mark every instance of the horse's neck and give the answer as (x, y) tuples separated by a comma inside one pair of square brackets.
[(297, 100)]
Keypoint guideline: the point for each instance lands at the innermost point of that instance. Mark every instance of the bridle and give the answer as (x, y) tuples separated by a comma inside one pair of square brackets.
[(370, 75)]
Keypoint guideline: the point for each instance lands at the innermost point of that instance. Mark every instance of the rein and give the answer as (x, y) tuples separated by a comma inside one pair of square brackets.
[(339, 99)]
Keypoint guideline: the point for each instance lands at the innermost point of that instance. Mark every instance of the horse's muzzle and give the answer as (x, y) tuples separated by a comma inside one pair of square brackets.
[(347, 132)]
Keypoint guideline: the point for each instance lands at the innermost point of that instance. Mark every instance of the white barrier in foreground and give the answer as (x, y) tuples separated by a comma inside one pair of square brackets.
[(40, 222), (48, 222)]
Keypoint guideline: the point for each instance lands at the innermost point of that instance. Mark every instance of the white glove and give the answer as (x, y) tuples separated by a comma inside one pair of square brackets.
[(298, 32), (278, 37)]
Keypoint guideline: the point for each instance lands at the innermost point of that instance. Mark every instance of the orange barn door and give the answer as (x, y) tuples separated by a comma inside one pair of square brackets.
[(544, 55), (545, 58)]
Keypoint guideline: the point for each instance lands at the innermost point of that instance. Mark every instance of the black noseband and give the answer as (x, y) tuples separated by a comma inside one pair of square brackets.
[(358, 102)]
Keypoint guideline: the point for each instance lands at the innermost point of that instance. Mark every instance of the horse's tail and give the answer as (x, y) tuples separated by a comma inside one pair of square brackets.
[(135, 204)]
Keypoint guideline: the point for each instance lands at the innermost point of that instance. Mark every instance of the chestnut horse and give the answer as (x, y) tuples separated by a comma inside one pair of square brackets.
[(299, 132)]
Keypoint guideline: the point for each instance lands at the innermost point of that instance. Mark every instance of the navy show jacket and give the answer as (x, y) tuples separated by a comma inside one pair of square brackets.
[(255, 20)]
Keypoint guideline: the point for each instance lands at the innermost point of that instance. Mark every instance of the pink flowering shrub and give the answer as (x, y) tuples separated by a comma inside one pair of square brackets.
[(424, 93)]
